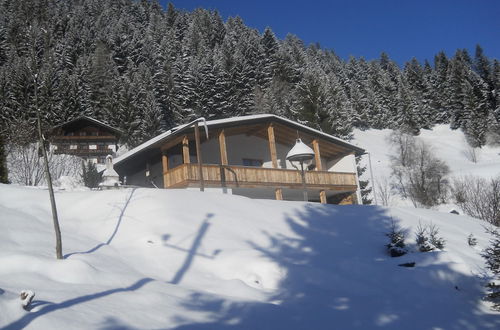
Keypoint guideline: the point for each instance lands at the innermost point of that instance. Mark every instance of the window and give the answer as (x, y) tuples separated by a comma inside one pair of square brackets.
[(252, 162), (93, 146), (73, 147), (83, 133)]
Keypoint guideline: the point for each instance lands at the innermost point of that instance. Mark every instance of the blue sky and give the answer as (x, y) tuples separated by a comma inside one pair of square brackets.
[(403, 29)]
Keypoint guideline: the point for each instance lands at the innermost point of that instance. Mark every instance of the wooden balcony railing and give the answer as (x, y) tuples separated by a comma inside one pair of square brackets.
[(104, 151), (82, 137), (254, 177)]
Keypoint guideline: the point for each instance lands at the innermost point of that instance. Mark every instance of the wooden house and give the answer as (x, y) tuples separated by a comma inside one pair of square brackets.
[(245, 156), (85, 137)]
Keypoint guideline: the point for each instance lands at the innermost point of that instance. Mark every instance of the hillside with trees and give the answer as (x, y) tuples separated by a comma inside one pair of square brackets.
[(143, 68)]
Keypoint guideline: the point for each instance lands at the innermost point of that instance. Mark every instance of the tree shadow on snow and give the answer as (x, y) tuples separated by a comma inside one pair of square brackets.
[(52, 307), (192, 251), (339, 276), (118, 223)]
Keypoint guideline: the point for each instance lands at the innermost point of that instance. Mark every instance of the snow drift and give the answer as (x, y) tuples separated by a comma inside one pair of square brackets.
[(151, 258)]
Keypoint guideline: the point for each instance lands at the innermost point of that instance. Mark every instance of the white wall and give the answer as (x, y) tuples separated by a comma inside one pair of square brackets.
[(345, 164)]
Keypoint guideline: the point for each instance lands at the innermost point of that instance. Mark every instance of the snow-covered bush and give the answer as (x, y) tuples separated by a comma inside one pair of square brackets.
[(90, 176), (26, 165), (492, 256), (478, 197), (434, 238), (396, 246), (427, 238), (471, 240), (417, 173)]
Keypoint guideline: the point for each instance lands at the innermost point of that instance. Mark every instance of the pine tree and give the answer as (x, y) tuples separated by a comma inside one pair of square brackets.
[(90, 177), (364, 185), (3, 163), (492, 256)]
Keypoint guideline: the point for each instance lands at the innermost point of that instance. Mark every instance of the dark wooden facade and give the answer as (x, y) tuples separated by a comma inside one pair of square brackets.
[(85, 137)]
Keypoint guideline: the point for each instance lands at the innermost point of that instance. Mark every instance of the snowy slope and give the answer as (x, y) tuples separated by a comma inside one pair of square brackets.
[(149, 259), (448, 145)]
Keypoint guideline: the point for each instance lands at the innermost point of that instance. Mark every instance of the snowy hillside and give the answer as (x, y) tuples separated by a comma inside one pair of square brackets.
[(448, 145), (149, 259)]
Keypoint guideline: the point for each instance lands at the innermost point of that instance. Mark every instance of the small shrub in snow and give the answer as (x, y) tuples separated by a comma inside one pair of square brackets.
[(471, 240), (422, 239), (434, 239), (479, 197), (90, 177), (427, 238), (397, 237), (492, 256)]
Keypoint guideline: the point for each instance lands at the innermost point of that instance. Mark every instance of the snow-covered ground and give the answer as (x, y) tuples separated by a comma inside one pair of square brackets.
[(151, 258), (175, 259), (448, 145)]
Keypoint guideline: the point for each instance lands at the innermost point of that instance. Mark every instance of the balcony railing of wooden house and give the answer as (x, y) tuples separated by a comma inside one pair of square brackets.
[(254, 177)]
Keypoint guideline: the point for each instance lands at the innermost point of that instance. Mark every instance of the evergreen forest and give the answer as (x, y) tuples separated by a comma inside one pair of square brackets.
[(143, 68)]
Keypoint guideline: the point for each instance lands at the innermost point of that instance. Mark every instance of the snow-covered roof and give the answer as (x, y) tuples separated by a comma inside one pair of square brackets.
[(93, 120), (227, 122)]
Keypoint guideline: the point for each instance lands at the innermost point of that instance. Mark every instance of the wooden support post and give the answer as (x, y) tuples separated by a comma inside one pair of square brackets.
[(185, 150), (274, 158), (319, 167), (164, 162), (198, 156), (272, 145), (222, 148)]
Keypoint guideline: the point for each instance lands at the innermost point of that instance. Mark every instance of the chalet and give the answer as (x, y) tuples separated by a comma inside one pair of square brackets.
[(85, 137), (245, 156)]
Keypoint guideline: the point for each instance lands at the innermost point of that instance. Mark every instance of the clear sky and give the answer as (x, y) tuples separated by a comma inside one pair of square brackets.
[(403, 29)]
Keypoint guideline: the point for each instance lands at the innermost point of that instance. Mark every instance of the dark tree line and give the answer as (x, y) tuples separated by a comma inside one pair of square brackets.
[(143, 68)]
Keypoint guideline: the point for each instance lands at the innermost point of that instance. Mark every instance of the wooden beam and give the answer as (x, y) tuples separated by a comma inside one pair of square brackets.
[(317, 155), (185, 150), (198, 155), (274, 158), (272, 145), (279, 194), (319, 167), (322, 197), (222, 148), (164, 162), (172, 143)]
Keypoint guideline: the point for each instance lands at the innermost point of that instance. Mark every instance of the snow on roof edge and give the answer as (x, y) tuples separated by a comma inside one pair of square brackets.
[(173, 130)]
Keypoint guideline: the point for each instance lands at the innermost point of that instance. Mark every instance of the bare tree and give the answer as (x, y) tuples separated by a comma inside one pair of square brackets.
[(478, 197), (470, 152), (26, 166), (384, 192), (417, 173)]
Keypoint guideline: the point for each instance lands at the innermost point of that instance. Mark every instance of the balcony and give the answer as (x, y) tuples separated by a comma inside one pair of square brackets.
[(84, 152), (187, 175), (62, 138)]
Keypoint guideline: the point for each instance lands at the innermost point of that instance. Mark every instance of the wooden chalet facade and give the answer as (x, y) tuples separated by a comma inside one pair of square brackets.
[(245, 156), (85, 137)]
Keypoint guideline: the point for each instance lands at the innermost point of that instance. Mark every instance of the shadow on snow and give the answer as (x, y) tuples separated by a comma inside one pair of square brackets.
[(339, 275), (51, 307), (118, 223)]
